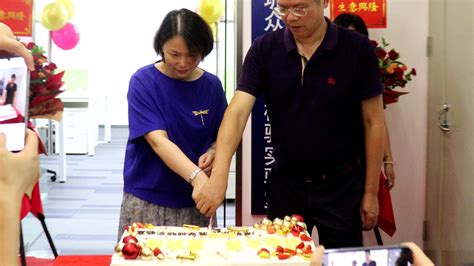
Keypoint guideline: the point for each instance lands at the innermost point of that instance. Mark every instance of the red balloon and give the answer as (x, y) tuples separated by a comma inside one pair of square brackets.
[(67, 37)]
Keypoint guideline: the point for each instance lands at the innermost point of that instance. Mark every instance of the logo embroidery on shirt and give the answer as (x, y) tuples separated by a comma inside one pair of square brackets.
[(331, 81), (201, 113)]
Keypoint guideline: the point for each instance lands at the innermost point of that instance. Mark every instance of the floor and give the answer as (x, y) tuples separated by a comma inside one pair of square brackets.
[(82, 213)]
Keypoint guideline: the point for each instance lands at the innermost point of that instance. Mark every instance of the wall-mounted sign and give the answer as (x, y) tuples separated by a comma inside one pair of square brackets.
[(18, 15), (374, 12)]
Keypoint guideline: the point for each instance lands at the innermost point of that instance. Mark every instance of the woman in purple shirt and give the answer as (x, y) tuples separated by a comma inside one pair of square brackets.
[(175, 109)]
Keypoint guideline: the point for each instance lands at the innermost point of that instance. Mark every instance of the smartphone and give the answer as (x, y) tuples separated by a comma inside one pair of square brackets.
[(369, 256), (14, 94)]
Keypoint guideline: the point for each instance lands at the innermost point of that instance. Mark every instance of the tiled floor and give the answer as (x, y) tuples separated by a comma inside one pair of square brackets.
[(82, 213)]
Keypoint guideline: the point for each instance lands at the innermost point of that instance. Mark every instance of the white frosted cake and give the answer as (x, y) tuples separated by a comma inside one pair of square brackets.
[(278, 242)]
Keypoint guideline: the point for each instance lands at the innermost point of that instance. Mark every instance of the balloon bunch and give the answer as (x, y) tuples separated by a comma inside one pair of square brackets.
[(55, 17), (211, 11)]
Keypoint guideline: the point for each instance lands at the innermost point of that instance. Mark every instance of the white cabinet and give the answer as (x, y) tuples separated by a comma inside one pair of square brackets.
[(76, 130), (79, 127)]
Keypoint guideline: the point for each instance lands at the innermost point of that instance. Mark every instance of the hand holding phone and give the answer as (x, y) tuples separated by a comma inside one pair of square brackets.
[(369, 256), (9, 43), (19, 171), (419, 257)]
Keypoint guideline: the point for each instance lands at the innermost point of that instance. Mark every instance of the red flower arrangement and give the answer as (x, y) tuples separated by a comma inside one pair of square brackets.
[(45, 85), (394, 73)]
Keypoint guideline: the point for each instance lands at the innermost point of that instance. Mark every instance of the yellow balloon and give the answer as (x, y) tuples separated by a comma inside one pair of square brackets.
[(54, 16), (214, 30), (71, 11), (211, 10)]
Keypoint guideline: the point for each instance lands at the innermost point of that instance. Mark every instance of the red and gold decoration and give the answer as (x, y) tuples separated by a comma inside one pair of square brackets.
[(393, 71), (18, 15), (373, 12), (293, 225)]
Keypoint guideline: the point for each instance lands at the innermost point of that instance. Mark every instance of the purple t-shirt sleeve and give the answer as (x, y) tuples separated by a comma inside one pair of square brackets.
[(144, 113), (250, 79), (368, 72)]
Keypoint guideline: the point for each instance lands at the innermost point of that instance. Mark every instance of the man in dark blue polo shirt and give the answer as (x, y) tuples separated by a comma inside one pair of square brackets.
[(323, 93)]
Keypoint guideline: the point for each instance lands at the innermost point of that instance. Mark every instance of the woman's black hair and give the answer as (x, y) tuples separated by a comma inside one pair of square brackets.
[(190, 26), (350, 19)]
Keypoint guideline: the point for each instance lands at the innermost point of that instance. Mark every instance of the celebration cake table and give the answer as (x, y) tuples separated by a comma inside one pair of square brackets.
[(278, 242)]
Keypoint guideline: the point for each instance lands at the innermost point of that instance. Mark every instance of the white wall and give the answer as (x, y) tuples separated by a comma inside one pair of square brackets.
[(407, 32), (407, 120)]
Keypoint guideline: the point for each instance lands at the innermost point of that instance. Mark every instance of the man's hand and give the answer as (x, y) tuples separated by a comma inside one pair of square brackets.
[(369, 211), (19, 171), (210, 196), (206, 161), (9, 43)]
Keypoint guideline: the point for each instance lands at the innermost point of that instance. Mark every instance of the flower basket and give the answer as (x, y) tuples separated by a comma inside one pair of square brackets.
[(393, 72), (45, 86)]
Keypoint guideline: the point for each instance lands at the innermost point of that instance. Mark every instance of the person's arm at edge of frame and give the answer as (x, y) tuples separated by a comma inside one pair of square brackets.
[(374, 127), (18, 171), (229, 136)]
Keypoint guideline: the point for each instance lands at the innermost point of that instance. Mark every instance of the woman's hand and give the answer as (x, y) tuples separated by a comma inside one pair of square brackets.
[(206, 161)]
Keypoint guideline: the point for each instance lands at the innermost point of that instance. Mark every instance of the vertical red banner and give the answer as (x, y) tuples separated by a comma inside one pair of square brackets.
[(374, 12), (18, 15)]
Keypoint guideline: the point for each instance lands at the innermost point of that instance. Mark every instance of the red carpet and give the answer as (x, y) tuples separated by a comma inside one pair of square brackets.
[(89, 260), (76, 260), (32, 261)]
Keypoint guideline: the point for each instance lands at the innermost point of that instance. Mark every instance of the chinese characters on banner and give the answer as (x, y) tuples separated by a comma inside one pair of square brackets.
[(373, 12), (18, 15), (263, 20)]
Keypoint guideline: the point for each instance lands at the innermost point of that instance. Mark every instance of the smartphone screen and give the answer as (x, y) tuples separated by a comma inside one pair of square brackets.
[(14, 93), (368, 256)]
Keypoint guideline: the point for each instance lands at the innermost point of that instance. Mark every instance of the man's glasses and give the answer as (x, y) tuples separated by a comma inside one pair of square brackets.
[(296, 11)]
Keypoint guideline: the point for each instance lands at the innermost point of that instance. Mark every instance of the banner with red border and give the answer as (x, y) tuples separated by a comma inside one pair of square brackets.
[(373, 12), (18, 15)]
